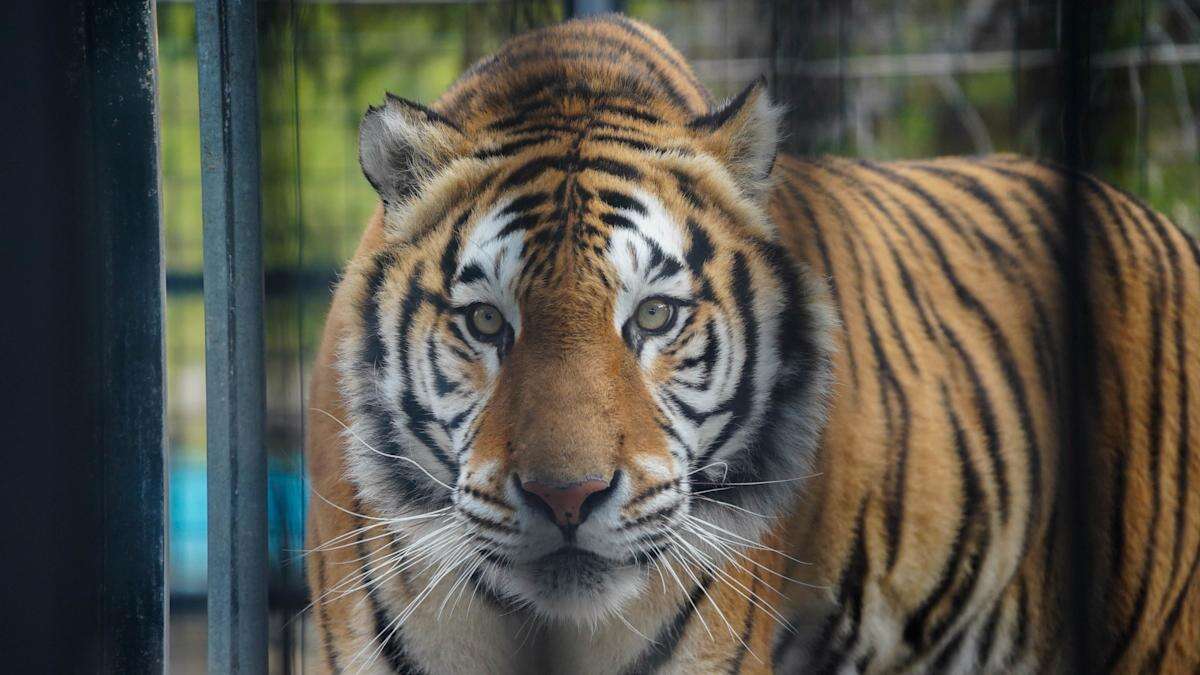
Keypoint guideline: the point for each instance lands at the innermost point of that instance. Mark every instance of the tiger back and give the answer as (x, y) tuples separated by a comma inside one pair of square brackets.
[(608, 387)]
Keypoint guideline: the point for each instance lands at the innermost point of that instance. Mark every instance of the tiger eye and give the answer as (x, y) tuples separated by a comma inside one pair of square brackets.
[(486, 320), (653, 315)]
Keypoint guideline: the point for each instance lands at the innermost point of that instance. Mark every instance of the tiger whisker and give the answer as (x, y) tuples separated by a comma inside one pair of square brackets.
[(736, 584), (721, 614), (368, 446), (726, 553), (339, 542), (405, 559), (739, 538), (759, 482), (455, 560), (680, 556), (709, 466), (699, 615), (459, 584), (734, 548), (727, 504), (334, 542)]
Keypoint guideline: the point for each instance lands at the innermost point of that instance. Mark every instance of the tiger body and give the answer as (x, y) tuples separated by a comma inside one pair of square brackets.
[(840, 454)]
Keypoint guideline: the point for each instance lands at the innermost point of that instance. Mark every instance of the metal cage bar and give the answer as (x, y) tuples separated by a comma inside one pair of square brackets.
[(128, 307), (83, 412), (233, 329)]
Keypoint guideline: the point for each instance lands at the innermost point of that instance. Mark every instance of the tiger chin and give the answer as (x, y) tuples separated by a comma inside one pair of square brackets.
[(610, 386)]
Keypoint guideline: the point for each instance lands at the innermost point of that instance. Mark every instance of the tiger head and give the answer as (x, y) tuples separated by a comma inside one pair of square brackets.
[(581, 348)]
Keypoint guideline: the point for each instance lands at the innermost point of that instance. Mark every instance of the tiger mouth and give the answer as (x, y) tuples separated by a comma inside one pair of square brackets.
[(573, 560), (571, 569)]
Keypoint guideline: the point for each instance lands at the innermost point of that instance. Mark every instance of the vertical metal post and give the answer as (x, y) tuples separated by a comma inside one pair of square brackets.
[(81, 414), (233, 328), (1076, 466), (586, 7), (128, 308)]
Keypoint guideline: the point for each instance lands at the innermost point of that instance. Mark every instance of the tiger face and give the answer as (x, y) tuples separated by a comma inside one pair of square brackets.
[(579, 355)]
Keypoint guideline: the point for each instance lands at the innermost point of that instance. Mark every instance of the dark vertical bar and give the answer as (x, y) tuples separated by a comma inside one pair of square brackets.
[(81, 262), (121, 55), (233, 329), (1076, 472)]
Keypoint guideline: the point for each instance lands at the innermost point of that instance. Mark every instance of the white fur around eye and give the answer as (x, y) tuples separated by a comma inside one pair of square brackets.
[(500, 259), (630, 252)]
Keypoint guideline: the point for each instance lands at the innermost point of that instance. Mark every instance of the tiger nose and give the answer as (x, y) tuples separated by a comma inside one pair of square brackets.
[(566, 505)]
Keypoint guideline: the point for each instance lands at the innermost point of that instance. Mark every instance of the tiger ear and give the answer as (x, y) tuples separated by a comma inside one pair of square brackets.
[(744, 135), (401, 145)]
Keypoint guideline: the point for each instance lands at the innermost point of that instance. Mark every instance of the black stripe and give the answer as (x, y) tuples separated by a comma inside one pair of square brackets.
[(741, 402), (948, 653), (331, 655), (634, 143), (735, 663), (518, 224), (1003, 351), (987, 419), (372, 353), (979, 192), (917, 631), (651, 492), (611, 167), (488, 523), (893, 228), (512, 147), (528, 171), (617, 221), (393, 646), (716, 118), (828, 269), (1122, 474), (471, 273), (667, 641), (1183, 450), (700, 248), (851, 587), (638, 114), (525, 203), (687, 188), (419, 416), (890, 388), (1155, 425), (621, 201), (680, 67), (987, 639), (1166, 631), (449, 261), (486, 497), (372, 411), (1042, 336)]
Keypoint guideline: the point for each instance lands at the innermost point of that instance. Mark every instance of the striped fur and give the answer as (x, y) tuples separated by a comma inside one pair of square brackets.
[(843, 455)]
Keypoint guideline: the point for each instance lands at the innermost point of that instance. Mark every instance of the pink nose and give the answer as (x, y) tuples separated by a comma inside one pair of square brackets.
[(568, 504)]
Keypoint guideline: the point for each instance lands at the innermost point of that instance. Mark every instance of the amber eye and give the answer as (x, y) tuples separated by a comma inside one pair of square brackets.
[(486, 320), (654, 315)]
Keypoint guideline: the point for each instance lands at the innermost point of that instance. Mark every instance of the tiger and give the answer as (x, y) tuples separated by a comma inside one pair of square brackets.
[(611, 385)]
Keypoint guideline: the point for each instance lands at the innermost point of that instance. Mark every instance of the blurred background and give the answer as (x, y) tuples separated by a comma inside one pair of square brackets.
[(869, 78)]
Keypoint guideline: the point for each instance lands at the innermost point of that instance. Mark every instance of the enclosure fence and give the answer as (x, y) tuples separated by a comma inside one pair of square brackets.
[(1069, 92)]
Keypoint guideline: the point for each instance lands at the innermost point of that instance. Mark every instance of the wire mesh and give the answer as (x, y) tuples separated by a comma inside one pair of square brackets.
[(871, 79)]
